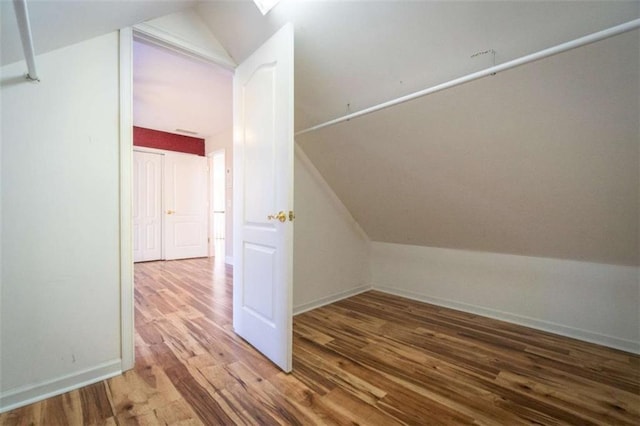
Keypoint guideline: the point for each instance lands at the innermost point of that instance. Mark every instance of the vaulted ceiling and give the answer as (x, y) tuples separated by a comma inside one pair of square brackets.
[(58, 23), (354, 54), (541, 160)]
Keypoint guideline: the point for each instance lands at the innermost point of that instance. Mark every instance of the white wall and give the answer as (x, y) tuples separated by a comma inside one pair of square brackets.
[(331, 252), (60, 301), (224, 140), (589, 301)]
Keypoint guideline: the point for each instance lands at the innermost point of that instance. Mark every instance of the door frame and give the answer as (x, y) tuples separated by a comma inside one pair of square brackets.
[(126, 37), (210, 189)]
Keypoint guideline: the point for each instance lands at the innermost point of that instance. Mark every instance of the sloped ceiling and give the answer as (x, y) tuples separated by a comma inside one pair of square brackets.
[(59, 23), (354, 54), (542, 160)]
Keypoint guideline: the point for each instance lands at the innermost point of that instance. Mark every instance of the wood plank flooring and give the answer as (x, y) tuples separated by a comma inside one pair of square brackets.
[(372, 359)]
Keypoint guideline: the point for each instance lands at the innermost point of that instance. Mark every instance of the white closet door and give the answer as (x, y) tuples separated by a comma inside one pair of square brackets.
[(147, 206), (185, 192)]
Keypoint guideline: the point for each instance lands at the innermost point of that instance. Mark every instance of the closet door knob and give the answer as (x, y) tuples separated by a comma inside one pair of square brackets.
[(170, 211)]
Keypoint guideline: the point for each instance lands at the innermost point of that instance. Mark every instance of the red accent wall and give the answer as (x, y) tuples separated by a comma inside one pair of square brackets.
[(168, 141)]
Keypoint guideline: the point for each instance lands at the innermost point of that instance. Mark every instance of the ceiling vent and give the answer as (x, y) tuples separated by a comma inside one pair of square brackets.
[(187, 132)]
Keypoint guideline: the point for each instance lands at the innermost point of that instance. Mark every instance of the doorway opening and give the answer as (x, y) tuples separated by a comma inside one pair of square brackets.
[(182, 114), (217, 207), (185, 104)]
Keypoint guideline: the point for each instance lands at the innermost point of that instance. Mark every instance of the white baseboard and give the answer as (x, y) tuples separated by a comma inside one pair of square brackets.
[(228, 260), (600, 339), (330, 299), (26, 395)]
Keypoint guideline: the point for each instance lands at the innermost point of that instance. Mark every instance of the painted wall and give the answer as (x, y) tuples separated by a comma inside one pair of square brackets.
[(514, 196), (590, 301), (150, 138), (331, 252), (540, 160), (60, 301), (224, 140)]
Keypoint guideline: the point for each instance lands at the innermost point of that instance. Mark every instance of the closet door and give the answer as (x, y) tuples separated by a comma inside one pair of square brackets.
[(185, 191), (147, 206)]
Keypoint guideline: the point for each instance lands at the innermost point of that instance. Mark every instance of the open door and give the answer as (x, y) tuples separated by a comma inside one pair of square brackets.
[(263, 198)]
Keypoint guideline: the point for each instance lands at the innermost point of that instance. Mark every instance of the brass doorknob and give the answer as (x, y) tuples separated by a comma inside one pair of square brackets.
[(170, 211), (281, 216)]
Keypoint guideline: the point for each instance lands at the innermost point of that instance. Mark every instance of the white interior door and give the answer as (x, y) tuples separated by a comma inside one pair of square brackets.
[(147, 206), (185, 192), (263, 186)]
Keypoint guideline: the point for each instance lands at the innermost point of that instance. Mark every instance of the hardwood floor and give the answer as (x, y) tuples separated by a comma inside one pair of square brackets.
[(372, 359)]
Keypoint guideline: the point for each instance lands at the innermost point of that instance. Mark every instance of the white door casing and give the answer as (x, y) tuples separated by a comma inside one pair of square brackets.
[(263, 185), (217, 201), (185, 204), (147, 206)]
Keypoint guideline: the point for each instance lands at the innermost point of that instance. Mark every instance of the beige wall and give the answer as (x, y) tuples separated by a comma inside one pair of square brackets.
[(515, 196), (541, 160), (331, 252)]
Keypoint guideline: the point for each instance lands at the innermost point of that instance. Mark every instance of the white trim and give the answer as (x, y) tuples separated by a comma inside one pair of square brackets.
[(563, 47), (127, 345), (211, 252), (551, 327), (26, 395), (157, 36), (161, 151), (330, 299), (210, 189), (228, 260)]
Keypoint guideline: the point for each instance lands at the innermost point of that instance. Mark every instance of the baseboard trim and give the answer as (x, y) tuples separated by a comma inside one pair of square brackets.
[(330, 299), (575, 333), (228, 260), (25, 395)]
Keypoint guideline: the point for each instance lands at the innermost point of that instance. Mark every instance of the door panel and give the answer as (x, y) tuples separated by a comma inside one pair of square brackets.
[(147, 205), (263, 183), (185, 213)]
